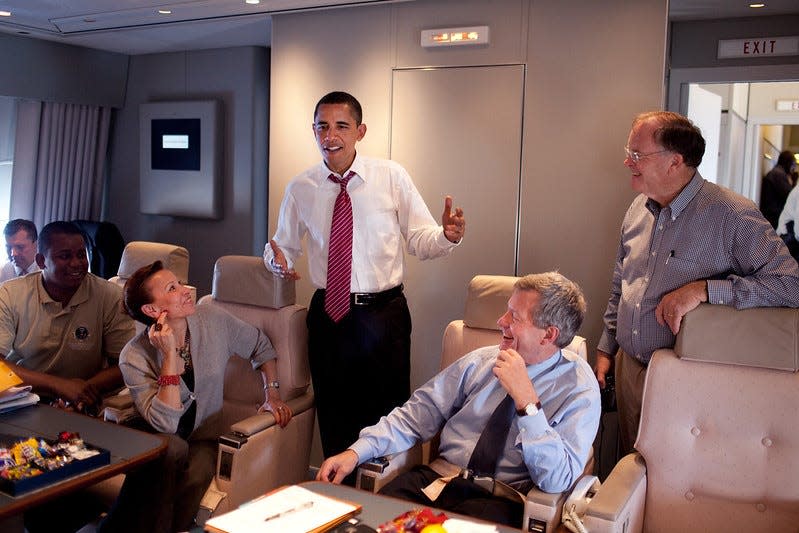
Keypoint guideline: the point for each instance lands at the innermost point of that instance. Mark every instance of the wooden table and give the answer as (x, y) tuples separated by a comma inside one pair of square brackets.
[(128, 448), (378, 509)]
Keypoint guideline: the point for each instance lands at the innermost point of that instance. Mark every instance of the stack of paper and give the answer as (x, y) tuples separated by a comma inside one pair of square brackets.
[(16, 397), (119, 408), (293, 508)]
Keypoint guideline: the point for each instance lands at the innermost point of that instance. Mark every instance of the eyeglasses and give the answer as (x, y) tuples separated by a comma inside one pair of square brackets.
[(635, 157)]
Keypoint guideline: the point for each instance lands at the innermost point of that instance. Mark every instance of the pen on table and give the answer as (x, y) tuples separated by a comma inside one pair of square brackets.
[(300, 507), (671, 254)]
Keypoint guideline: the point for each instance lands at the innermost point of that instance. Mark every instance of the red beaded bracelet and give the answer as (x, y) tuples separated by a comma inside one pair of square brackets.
[(168, 380)]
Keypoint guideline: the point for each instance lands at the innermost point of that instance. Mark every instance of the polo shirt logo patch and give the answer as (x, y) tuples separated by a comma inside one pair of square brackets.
[(81, 339), (81, 333)]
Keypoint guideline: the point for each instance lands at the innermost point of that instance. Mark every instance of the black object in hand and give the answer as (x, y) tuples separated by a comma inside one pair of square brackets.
[(608, 394)]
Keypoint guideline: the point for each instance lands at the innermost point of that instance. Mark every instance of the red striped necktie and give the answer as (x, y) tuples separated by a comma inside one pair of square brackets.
[(339, 257)]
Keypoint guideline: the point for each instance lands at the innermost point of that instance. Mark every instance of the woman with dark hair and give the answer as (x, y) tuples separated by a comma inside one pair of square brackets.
[(175, 370)]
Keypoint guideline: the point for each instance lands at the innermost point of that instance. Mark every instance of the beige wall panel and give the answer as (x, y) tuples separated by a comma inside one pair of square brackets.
[(589, 73), (452, 143)]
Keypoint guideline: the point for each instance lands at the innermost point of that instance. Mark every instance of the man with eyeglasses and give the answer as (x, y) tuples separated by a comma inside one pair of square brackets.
[(683, 241)]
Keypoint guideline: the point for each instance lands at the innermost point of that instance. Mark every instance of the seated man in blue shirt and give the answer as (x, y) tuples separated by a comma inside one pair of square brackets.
[(557, 410)]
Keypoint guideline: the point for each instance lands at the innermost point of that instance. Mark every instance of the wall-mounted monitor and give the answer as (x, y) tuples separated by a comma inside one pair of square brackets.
[(181, 158)]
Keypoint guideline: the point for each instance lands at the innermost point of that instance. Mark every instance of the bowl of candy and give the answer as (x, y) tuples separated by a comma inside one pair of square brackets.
[(31, 463)]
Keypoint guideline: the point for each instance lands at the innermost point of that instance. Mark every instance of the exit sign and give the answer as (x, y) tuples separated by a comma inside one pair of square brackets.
[(758, 47)]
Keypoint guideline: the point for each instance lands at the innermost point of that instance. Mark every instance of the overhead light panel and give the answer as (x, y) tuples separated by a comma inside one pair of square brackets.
[(455, 36), (5, 13), (165, 11), (755, 6)]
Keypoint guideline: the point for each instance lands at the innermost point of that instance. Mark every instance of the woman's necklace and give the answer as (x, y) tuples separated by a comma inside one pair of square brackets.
[(185, 351)]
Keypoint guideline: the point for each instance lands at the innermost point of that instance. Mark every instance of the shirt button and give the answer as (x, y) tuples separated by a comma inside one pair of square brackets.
[(660, 227), (638, 305), (654, 254), (646, 279), (635, 332)]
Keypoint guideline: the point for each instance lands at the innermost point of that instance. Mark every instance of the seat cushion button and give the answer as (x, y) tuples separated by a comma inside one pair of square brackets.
[(695, 431), (761, 507), (689, 495), (766, 442)]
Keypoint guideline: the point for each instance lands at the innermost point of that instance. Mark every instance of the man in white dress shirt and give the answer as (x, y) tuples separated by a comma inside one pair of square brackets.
[(360, 363), (21, 237)]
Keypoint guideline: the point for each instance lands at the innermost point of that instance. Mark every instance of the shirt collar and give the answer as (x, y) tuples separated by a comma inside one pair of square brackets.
[(687, 194), (80, 296), (358, 167), (681, 201)]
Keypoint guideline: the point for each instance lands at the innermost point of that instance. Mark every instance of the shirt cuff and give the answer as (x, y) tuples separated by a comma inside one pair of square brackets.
[(445, 243), (531, 427), (362, 450), (608, 344), (719, 291)]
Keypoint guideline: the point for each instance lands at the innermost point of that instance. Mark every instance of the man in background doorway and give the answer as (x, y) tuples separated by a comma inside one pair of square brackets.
[(788, 227), (21, 237), (777, 184), (356, 214), (683, 241)]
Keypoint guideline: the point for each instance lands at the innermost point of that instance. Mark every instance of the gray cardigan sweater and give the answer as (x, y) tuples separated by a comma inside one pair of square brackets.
[(215, 336)]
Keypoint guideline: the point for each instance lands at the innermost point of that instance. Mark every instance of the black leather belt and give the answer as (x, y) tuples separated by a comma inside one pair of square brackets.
[(375, 298)]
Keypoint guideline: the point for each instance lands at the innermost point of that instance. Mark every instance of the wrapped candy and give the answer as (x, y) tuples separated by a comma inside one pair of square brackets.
[(412, 521)]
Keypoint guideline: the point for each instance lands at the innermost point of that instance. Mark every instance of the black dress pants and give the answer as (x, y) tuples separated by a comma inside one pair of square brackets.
[(360, 366), (459, 496)]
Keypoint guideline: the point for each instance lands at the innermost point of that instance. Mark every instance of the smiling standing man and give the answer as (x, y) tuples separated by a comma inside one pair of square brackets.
[(21, 239), (356, 214), (683, 241), (63, 327)]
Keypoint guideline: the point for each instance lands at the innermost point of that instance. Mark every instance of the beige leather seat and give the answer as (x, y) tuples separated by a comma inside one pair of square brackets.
[(140, 253), (717, 446), (486, 300), (258, 455)]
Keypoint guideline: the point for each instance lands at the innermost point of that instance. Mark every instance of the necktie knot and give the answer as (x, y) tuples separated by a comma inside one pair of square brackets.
[(342, 181)]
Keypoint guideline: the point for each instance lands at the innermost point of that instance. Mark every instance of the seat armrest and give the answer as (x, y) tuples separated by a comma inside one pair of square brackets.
[(374, 475), (253, 424), (542, 510), (619, 503)]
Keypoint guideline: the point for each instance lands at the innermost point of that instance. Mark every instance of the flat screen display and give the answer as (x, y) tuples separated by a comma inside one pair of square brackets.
[(175, 144)]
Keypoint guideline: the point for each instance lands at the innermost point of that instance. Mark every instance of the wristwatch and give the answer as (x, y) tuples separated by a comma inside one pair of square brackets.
[(529, 409)]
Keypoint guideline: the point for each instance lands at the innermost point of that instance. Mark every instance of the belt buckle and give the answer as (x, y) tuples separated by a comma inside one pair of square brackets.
[(484, 482), (356, 300), (466, 474)]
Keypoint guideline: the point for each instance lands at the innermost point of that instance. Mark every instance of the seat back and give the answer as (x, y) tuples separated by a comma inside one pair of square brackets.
[(718, 430), (245, 288), (141, 253), (105, 245), (486, 301)]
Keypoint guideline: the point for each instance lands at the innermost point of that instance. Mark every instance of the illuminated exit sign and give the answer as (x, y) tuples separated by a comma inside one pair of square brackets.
[(455, 36), (759, 47)]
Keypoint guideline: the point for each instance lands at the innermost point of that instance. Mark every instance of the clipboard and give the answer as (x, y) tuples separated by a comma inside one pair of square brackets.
[(292, 508)]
